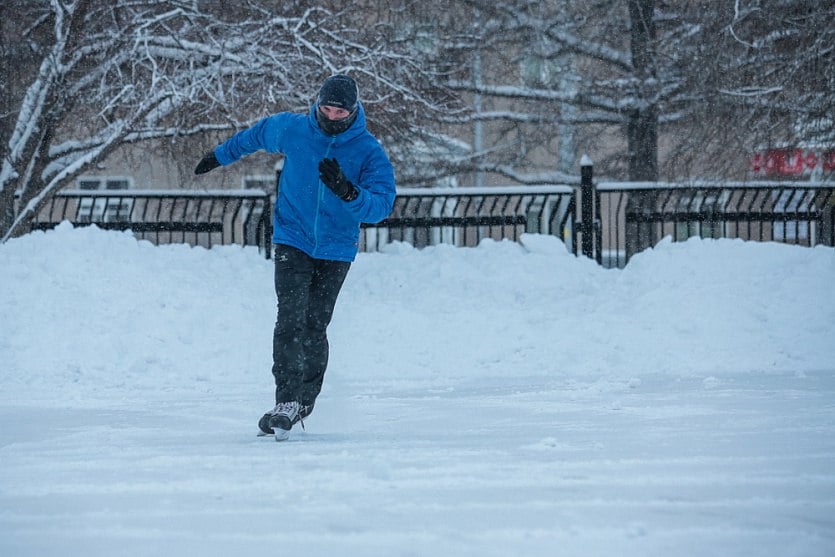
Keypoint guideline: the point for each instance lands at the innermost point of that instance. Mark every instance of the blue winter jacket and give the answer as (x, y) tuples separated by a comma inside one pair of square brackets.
[(308, 215)]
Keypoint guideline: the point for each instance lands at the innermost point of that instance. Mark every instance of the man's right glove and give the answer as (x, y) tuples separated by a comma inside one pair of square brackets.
[(333, 177), (207, 163)]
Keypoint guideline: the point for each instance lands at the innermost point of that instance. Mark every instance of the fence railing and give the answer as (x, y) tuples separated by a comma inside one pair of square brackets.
[(421, 217), (203, 218), (609, 222), (631, 217), (466, 216)]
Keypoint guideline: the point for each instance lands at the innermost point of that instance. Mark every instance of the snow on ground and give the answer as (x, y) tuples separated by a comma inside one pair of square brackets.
[(504, 400)]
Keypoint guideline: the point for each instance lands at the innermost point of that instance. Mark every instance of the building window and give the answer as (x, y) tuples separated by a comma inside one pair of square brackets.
[(265, 183), (106, 206)]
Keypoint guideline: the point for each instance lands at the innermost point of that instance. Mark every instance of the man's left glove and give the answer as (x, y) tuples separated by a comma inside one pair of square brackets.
[(332, 176), (207, 163)]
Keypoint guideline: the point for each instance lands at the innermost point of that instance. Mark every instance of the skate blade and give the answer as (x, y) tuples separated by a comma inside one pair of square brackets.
[(282, 435)]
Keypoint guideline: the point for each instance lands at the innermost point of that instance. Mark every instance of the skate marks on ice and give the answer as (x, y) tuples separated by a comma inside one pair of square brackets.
[(610, 465)]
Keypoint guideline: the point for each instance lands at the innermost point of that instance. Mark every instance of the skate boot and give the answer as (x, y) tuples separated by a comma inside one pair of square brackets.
[(266, 427), (285, 414)]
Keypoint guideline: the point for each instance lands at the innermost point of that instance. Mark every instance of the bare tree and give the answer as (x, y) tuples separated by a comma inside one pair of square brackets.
[(763, 73), (677, 85), (83, 77), (100, 74), (602, 58)]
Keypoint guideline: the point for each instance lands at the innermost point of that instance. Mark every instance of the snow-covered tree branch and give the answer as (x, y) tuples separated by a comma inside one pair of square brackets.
[(96, 75), (516, 89), (704, 79)]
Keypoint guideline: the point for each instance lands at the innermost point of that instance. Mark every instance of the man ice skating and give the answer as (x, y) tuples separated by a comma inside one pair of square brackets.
[(336, 175)]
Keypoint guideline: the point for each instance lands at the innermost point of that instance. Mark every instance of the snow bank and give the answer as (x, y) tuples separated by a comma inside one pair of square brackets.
[(97, 311)]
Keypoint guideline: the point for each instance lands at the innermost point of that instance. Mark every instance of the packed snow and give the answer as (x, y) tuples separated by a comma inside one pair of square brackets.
[(509, 399)]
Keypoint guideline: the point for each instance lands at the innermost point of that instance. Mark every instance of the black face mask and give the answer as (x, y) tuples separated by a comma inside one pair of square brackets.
[(334, 127)]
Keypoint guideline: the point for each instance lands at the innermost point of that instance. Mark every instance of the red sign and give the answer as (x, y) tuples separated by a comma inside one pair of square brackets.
[(792, 162)]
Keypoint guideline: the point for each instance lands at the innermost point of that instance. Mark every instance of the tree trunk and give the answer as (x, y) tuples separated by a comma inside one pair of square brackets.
[(7, 106), (6, 210), (642, 129)]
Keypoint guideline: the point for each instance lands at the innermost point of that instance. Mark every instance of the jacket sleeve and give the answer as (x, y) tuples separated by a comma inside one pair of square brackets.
[(376, 189), (264, 135)]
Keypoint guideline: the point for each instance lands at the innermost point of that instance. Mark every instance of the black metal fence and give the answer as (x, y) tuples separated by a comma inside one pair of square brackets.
[(421, 217), (466, 216), (197, 218), (609, 222), (631, 217)]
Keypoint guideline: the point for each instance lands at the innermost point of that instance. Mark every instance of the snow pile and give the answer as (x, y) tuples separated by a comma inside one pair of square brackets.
[(510, 398)]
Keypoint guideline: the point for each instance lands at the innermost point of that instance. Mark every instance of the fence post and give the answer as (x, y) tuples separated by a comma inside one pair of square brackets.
[(587, 205)]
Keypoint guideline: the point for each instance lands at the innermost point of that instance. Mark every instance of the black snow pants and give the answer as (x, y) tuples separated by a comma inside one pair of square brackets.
[(306, 290)]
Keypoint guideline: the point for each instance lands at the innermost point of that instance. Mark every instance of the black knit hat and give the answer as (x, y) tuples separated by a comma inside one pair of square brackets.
[(340, 91)]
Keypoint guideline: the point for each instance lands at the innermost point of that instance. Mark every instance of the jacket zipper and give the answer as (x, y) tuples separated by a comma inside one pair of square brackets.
[(319, 198)]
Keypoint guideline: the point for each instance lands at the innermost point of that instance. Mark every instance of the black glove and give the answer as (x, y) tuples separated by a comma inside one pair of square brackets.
[(332, 176), (207, 163)]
